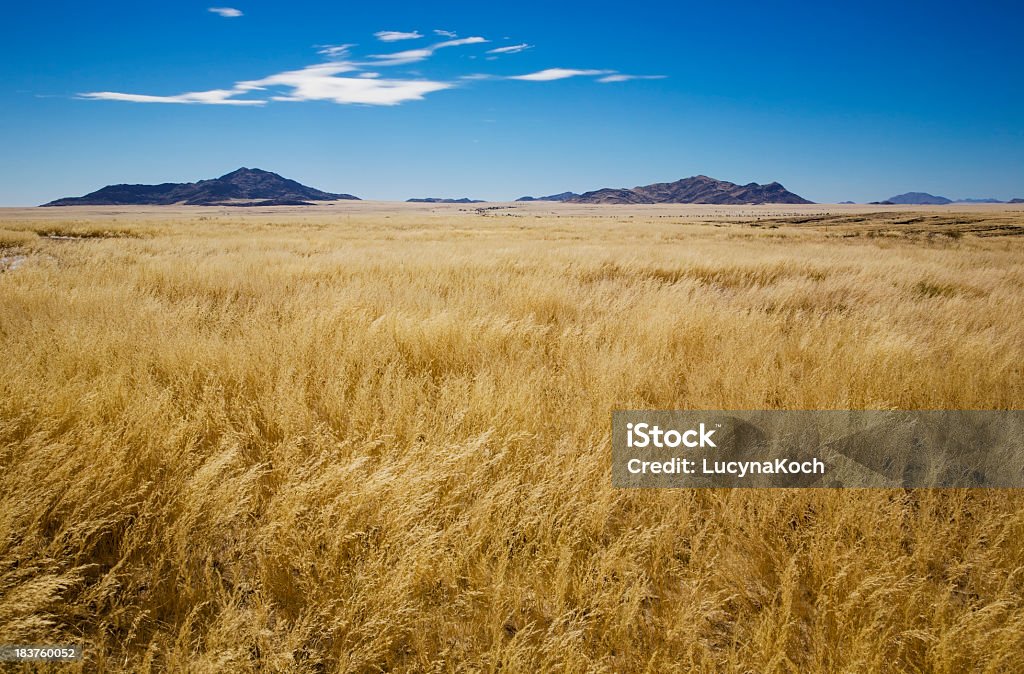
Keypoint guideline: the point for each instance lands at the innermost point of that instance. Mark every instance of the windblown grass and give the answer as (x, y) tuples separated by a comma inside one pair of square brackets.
[(371, 443)]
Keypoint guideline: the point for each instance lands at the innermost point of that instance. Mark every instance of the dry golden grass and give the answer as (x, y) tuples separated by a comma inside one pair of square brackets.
[(377, 441)]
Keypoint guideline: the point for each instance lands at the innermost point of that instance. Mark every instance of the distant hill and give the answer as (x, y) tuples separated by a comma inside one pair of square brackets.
[(436, 200), (979, 201), (919, 199), (1015, 201), (244, 187), (695, 190), (564, 196)]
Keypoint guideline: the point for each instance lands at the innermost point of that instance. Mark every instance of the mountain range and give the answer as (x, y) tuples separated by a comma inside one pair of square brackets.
[(694, 190), (256, 187), (925, 199), (438, 200), (244, 187)]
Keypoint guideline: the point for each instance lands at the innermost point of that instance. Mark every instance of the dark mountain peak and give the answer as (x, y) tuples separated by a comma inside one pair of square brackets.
[(242, 187), (245, 174), (562, 196), (919, 198), (699, 189)]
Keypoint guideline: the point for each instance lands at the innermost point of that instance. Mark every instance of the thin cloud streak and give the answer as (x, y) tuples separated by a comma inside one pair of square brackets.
[(226, 12), (626, 78), (401, 58), (396, 35), (511, 49), (461, 41), (416, 55), (213, 97), (552, 74), (334, 51)]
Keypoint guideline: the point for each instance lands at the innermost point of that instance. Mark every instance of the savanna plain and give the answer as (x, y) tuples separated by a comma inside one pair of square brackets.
[(371, 438)]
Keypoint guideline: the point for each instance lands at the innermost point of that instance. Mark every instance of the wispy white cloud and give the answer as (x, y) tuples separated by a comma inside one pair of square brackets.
[(511, 49), (445, 33), (415, 55), (402, 58), (212, 97), (618, 77), (559, 74), (604, 76), (343, 79), (226, 12), (322, 83), (364, 90), (460, 41), (314, 71), (334, 51), (396, 35)]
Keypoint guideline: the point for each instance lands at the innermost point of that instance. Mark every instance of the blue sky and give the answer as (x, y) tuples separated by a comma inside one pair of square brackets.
[(858, 100)]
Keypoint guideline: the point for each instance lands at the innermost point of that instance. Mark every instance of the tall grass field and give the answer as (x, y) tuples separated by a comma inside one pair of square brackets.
[(367, 441)]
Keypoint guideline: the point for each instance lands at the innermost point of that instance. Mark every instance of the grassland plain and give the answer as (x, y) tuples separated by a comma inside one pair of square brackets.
[(371, 439)]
